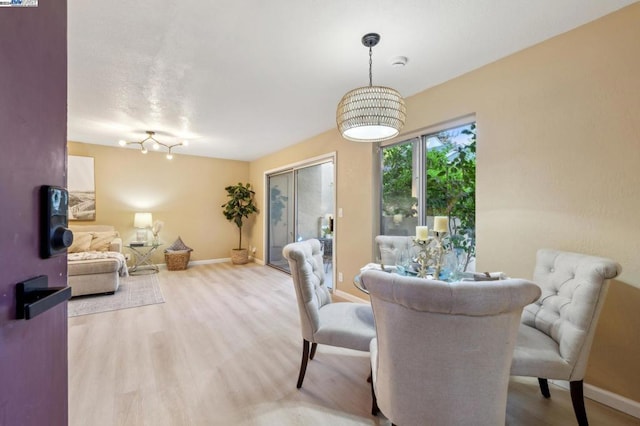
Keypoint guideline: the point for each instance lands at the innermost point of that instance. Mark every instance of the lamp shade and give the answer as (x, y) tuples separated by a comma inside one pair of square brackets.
[(371, 114), (142, 220)]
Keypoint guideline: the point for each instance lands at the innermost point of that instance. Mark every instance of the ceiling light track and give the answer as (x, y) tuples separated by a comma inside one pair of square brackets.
[(156, 144)]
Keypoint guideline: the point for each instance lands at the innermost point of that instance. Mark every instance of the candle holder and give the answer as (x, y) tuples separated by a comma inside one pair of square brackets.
[(431, 248), (439, 251), (430, 254), (426, 255)]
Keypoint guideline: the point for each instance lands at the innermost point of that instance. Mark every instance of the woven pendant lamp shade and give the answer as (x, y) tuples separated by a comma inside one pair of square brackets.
[(371, 114)]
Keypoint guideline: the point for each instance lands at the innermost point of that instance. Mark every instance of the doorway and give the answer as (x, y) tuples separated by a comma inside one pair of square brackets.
[(301, 201)]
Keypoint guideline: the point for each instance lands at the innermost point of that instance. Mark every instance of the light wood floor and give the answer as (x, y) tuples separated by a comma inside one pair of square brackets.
[(225, 350)]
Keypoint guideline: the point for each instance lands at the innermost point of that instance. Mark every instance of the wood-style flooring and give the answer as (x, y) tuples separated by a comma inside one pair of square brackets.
[(224, 349)]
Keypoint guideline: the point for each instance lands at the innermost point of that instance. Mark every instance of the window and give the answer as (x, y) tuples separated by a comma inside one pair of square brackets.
[(431, 175)]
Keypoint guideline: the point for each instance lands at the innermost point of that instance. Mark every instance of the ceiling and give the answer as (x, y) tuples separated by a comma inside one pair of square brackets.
[(244, 78)]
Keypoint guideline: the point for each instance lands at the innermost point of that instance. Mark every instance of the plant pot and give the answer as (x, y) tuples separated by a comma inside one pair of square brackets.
[(239, 256)]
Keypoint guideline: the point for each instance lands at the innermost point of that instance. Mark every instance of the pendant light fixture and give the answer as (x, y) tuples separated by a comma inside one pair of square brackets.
[(154, 143), (371, 113)]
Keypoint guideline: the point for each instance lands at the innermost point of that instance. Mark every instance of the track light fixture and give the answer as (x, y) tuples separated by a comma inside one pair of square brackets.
[(155, 144)]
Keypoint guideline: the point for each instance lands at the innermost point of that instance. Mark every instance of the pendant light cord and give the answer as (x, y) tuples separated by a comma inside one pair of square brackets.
[(370, 66)]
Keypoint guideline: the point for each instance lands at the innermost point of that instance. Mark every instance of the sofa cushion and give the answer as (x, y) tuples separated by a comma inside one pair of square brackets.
[(91, 228), (102, 240), (81, 242), (93, 266)]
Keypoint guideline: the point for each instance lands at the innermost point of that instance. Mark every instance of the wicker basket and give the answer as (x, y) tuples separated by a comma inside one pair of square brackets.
[(239, 256), (177, 260)]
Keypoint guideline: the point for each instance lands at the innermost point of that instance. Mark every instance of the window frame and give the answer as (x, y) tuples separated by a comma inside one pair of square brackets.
[(419, 156)]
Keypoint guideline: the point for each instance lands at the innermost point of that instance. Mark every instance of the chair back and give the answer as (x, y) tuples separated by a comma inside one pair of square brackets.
[(444, 350), (305, 262), (388, 245), (574, 287)]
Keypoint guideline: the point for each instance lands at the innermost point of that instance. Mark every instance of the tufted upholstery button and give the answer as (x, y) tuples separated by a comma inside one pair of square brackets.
[(552, 270)]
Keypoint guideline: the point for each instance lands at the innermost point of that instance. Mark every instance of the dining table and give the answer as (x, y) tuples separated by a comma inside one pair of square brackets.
[(445, 276)]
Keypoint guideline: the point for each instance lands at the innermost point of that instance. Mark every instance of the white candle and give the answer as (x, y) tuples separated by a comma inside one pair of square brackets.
[(441, 224), (422, 233)]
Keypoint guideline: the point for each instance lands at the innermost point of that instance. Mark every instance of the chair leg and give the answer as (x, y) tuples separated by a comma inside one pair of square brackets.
[(577, 398), (313, 350), (544, 387), (374, 401), (303, 364)]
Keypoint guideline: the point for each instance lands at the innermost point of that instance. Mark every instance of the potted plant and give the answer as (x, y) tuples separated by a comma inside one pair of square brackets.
[(238, 208)]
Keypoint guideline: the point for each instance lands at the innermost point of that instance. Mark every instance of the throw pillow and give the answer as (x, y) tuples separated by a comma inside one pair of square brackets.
[(81, 242), (178, 245), (102, 240)]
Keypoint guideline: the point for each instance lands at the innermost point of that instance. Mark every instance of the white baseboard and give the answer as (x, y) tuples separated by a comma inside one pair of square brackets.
[(210, 261), (223, 260), (198, 262), (610, 399), (350, 297)]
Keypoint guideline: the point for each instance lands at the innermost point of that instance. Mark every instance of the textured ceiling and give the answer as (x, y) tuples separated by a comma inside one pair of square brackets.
[(244, 78)]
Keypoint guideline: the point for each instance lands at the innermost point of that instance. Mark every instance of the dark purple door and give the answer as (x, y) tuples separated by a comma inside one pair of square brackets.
[(33, 114)]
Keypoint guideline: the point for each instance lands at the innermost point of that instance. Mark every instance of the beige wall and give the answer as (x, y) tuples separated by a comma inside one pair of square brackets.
[(185, 193), (354, 167), (558, 155)]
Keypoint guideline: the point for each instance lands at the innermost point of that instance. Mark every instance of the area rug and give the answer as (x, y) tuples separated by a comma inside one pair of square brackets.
[(134, 291)]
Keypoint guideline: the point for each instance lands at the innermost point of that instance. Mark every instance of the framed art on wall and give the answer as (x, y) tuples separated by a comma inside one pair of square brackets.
[(82, 190)]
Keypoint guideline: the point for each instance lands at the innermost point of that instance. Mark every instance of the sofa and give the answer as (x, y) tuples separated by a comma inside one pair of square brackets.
[(95, 260)]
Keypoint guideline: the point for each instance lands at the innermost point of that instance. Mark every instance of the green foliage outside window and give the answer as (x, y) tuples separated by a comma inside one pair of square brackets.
[(451, 185), (451, 189), (397, 180)]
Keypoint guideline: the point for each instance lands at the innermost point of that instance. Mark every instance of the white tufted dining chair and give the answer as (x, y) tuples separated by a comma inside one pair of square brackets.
[(388, 245), (347, 325), (556, 332), (443, 350)]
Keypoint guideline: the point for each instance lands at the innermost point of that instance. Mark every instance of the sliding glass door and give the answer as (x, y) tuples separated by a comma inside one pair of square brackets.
[(281, 223), (301, 204)]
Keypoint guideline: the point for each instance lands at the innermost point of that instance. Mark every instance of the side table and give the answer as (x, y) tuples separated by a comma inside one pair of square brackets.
[(142, 256)]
